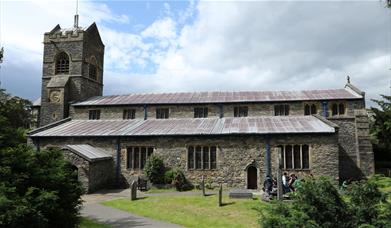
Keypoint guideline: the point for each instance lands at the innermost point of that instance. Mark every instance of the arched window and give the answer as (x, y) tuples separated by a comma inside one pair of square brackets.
[(334, 109), (313, 109), (62, 63), (341, 108), (307, 110), (92, 71)]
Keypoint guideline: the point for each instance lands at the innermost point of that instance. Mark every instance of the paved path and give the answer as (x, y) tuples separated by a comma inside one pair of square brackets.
[(118, 218), (114, 217)]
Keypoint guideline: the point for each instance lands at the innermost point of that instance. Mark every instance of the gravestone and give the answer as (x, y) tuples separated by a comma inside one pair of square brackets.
[(221, 195), (133, 190), (279, 175), (240, 193), (203, 185)]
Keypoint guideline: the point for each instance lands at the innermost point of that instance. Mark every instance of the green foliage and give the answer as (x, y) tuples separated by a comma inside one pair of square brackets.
[(318, 204), (154, 169), (381, 129), (37, 189), (14, 119), (180, 182), (169, 176)]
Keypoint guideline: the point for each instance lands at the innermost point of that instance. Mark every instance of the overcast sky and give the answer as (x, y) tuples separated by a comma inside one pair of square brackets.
[(201, 46)]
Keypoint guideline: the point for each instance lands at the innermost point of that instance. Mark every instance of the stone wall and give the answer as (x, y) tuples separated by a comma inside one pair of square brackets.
[(187, 111), (234, 154)]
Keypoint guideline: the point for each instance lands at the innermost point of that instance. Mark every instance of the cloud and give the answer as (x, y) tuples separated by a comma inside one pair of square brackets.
[(230, 45)]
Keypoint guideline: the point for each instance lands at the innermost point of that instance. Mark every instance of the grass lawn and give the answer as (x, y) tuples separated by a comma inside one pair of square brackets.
[(194, 211), (89, 223)]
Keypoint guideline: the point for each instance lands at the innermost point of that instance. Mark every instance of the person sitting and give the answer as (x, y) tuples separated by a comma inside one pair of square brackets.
[(268, 185), (292, 181), (285, 186)]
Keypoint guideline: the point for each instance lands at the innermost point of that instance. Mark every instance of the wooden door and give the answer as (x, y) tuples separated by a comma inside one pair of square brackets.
[(252, 178)]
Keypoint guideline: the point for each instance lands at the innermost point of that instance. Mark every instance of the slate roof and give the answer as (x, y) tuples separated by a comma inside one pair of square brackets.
[(220, 97), (188, 126), (58, 81), (88, 152)]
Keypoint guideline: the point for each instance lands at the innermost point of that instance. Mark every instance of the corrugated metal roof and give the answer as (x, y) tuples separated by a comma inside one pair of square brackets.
[(88, 152), (220, 97), (188, 126)]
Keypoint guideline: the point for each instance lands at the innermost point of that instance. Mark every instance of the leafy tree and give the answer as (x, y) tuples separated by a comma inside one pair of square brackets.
[(14, 119), (154, 169), (381, 129), (37, 189), (318, 204)]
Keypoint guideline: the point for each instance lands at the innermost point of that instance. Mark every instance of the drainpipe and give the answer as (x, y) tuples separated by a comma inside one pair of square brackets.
[(118, 161), (268, 156), (324, 105), (221, 108), (145, 112)]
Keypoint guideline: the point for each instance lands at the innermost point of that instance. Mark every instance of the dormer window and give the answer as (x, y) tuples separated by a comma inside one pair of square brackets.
[(62, 63)]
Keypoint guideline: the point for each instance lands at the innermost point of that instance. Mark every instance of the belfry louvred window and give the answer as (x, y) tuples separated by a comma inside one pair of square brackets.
[(62, 63)]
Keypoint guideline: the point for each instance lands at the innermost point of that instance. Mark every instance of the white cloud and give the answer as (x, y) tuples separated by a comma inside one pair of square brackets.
[(230, 45)]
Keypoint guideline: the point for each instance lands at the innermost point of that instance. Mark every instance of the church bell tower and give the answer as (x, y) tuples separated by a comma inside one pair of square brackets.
[(72, 69)]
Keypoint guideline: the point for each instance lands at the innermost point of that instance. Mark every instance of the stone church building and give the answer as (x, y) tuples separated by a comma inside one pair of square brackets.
[(229, 137)]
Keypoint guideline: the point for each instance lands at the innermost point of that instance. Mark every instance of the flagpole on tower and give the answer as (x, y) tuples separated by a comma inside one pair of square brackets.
[(76, 22)]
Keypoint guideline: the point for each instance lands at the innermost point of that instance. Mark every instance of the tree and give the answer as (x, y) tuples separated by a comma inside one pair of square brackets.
[(381, 129), (15, 117), (317, 203), (154, 169), (38, 189)]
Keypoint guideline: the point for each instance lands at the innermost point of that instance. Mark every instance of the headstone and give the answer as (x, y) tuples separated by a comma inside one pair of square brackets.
[(221, 195), (203, 185), (133, 190), (279, 176), (240, 193)]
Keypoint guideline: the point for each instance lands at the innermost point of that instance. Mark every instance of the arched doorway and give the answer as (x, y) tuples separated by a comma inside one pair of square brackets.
[(252, 177)]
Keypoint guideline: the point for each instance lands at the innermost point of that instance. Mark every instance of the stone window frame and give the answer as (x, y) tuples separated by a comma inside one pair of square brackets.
[(66, 65), (149, 150), (129, 114), (201, 112), (202, 162), (281, 109), (162, 115), (240, 111), (310, 105), (283, 149), (337, 105), (94, 114)]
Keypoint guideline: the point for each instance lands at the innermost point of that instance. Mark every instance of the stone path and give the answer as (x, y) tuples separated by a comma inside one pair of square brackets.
[(114, 217), (117, 218)]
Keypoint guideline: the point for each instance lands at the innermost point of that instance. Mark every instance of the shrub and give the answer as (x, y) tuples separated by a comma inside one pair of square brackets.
[(154, 169), (318, 204), (169, 176), (180, 182), (37, 189)]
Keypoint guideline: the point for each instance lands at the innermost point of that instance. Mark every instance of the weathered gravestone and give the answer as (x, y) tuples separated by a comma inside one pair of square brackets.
[(133, 190), (221, 195), (240, 193), (203, 185)]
